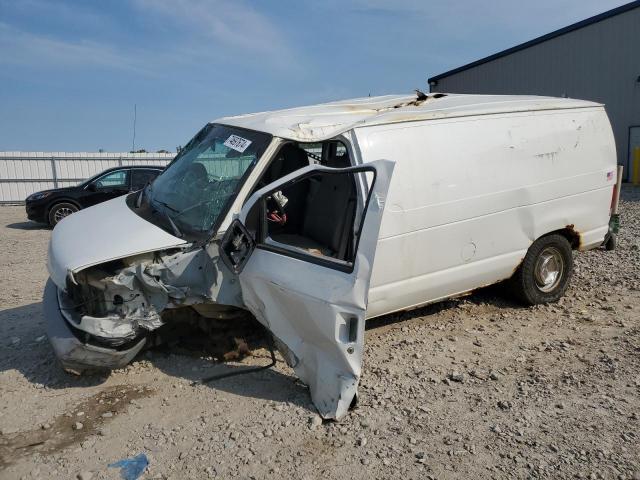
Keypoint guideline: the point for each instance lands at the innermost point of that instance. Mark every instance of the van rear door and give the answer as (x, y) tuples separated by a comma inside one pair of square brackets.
[(308, 282)]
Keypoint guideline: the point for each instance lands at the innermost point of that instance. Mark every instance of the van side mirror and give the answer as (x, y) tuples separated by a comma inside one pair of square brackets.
[(236, 246)]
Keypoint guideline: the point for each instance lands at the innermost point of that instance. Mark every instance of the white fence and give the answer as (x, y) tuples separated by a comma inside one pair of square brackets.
[(23, 173)]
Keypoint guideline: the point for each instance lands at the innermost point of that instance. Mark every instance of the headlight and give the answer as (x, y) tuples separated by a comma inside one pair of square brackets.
[(38, 195)]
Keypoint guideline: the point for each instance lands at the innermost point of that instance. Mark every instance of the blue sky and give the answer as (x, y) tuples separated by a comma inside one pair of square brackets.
[(71, 71)]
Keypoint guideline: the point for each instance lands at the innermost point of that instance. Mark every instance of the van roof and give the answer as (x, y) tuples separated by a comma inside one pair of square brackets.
[(315, 123)]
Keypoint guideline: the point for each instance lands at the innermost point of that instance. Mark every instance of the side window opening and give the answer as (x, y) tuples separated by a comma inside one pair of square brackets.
[(313, 151), (116, 179), (294, 156), (332, 153), (336, 155), (139, 178), (332, 218), (290, 158), (315, 214), (322, 224)]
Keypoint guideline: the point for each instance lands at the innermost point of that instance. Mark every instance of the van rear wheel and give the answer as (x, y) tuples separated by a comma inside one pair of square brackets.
[(543, 275)]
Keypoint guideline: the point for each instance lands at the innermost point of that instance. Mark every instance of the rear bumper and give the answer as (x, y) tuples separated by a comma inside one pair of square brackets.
[(74, 355)]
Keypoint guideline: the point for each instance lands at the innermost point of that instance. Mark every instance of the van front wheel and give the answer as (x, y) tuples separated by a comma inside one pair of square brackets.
[(544, 274)]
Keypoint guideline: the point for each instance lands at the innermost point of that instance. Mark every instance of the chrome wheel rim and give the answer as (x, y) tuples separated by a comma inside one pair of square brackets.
[(61, 213), (549, 269)]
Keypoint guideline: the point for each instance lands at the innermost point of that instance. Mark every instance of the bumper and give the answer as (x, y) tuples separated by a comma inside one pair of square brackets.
[(36, 212), (74, 355)]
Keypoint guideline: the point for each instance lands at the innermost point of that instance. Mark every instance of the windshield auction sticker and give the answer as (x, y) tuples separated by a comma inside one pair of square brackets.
[(239, 144)]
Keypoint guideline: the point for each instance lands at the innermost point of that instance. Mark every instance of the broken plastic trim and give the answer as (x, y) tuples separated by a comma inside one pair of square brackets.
[(236, 246)]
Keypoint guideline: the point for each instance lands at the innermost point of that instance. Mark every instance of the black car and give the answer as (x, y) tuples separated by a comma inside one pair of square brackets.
[(51, 206)]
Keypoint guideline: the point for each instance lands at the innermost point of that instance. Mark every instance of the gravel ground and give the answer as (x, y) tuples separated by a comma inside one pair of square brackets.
[(472, 388)]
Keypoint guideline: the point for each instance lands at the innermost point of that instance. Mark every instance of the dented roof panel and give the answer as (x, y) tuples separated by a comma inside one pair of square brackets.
[(324, 121)]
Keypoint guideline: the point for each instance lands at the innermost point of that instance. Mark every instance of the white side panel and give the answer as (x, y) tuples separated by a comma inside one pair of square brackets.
[(308, 307), (469, 196), (486, 253)]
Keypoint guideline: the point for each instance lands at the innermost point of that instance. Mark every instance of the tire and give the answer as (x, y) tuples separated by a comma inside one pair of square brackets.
[(59, 211), (612, 242), (534, 282)]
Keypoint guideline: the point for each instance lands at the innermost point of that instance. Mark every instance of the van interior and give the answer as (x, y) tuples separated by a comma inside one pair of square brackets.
[(315, 214)]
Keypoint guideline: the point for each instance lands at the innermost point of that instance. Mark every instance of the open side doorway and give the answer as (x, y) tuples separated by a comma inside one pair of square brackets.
[(308, 282)]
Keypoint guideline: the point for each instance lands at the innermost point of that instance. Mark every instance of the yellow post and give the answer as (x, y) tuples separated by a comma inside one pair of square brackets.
[(635, 179)]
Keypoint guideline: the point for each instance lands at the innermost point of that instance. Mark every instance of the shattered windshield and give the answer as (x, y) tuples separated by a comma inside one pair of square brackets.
[(193, 191)]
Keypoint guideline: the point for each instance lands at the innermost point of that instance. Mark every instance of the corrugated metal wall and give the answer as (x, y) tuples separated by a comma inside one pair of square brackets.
[(22, 173), (599, 62)]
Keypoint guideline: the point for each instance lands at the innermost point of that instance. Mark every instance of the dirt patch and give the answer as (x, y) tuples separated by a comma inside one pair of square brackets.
[(72, 427), (188, 333)]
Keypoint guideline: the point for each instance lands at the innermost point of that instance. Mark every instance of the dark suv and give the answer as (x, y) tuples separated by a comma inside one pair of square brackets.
[(51, 206)]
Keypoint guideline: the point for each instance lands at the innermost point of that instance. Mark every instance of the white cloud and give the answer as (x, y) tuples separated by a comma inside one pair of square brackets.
[(222, 24), (18, 47), (177, 33)]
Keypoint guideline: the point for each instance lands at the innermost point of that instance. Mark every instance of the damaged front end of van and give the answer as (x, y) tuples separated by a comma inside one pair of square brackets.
[(124, 269), (116, 279)]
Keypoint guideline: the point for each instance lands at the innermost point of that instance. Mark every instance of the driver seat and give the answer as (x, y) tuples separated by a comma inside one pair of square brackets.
[(290, 159)]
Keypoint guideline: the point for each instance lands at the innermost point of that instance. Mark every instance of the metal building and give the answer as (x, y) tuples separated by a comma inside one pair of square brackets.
[(22, 173), (596, 59)]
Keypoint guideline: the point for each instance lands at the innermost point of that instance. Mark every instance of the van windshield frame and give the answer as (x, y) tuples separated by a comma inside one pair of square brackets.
[(192, 196)]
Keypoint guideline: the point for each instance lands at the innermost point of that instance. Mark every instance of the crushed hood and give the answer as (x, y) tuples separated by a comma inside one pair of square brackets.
[(107, 231)]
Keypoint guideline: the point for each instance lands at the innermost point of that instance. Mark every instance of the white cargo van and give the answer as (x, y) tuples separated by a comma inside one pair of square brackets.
[(318, 217)]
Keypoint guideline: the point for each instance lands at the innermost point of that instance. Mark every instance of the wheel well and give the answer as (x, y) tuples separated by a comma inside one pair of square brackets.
[(570, 233), (62, 200)]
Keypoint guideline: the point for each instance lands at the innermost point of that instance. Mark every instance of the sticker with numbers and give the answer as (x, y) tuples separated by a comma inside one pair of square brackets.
[(239, 144)]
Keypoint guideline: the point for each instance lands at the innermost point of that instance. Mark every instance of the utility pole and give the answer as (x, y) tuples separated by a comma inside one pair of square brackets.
[(135, 114)]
